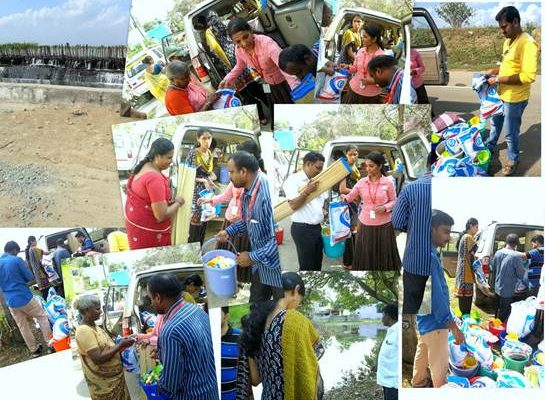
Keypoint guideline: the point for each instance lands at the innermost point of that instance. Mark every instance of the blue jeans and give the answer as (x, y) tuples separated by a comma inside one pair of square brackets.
[(510, 120)]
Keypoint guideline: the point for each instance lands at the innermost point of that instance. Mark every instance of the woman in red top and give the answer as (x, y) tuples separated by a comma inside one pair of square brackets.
[(184, 96), (376, 248), (261, 53), (149, 209)]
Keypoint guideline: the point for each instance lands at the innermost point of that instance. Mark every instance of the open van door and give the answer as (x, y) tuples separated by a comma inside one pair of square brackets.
[(426, 39), (298, 21), (414, 149), (113, 311)]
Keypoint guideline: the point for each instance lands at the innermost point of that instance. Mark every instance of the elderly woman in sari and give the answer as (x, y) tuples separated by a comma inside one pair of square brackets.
[(100, 358), (282, 346)]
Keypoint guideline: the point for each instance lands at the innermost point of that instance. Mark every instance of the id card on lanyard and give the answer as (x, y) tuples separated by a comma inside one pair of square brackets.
[(373, 197), (253, 196)]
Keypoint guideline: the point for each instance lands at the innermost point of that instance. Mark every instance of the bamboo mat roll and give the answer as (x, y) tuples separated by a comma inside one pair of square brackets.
[(185, 188), (325, 180)]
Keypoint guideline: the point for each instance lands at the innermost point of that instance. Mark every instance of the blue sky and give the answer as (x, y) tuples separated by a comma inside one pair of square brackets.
[(92, 22), (486, 12)]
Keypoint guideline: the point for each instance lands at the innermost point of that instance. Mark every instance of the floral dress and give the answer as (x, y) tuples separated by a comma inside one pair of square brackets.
[(464, 271), (202, 172)]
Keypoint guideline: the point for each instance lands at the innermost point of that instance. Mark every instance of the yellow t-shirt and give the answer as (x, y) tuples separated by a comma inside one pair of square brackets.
[(519, 57), (118, 241), (350, 36)]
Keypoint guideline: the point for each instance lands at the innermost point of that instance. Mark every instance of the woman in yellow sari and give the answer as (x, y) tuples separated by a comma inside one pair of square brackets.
[(351, 41), (282, 346), (100, 356)]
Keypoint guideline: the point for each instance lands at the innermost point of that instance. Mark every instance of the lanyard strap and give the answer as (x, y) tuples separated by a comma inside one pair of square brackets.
[(253, 196), (394, 86), (373, 197), (173, 311)]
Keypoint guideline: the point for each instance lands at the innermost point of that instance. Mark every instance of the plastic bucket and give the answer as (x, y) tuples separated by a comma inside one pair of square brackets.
[(218, 209), (498, 331), (442, 152), (334, 251), (279, 235), (476, 121), (224, 175), (515, 361), (538, 358), (152, 391), (464, 372), (221, 281), (483, 159), (63, 344)]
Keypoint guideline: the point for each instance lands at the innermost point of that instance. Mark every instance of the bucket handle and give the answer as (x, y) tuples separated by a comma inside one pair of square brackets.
[(214, 239)]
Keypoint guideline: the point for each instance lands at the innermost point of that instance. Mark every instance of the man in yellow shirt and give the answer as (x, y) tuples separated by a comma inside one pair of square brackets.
[(515, 75)]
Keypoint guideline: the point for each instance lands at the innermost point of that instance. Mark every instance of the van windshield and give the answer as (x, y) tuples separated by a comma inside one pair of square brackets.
[(415, 154), (136, 69)]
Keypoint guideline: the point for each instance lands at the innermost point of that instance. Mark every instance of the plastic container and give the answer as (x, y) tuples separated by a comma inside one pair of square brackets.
[(464, 372), (487, 372), (516, 361), (218, 209), (476, 121), (152, 391), (538, 358), (334, 251), (499, 331), (60, 345), (442, 151), (279, 235), (483, 160), (221, 281), (224, 174)]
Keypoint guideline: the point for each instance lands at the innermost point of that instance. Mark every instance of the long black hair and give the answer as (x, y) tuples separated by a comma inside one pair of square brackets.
[(236, 25), (253, 324), (375, 32), (379, 159), (470, 222), (27, 249), (159, 147)]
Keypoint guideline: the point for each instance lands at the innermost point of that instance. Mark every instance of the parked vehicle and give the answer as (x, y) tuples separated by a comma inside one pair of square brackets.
[(49, 242), (135, 71), (288, 22), (426, 39), (489, 240), (411, 149)]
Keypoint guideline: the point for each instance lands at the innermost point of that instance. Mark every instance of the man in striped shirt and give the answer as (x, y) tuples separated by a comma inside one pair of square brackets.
[(184, 343), (257, 220)]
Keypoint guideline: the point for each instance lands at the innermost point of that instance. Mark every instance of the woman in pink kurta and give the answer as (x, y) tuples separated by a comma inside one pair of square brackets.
[(363, 89), (376, 248), (417, 71), (259, 52)]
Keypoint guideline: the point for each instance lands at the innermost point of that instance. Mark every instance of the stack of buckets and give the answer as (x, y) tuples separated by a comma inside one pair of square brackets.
[(221, 281)]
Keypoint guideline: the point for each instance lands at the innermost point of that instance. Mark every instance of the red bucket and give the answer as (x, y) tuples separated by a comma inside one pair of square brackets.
[(63, 344), (496, 330), (279, 234)]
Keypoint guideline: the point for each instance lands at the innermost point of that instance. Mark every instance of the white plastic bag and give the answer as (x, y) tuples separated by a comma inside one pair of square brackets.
[(522, 318), (61, 329), (339, 222), (333, 86), (55, 306), (227, 99), (208, 212)]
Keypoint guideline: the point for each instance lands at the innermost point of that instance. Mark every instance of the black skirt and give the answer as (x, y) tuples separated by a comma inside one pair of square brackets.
[(281, 93), (241, 243), (376, 249), (354, 98)]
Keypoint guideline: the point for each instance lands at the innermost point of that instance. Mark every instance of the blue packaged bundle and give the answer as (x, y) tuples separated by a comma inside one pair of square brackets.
[(334, 85), (303, 93), (339, 222), (227, 99)]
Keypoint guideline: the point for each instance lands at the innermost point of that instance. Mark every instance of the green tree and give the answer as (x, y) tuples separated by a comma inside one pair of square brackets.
[(455, 14), (176, 15), (187, 253)]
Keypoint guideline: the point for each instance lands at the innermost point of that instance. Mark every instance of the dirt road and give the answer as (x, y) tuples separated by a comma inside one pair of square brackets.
[(57, 166)]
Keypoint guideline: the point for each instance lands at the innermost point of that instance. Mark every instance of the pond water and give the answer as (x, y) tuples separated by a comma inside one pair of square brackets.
[(346, 345)]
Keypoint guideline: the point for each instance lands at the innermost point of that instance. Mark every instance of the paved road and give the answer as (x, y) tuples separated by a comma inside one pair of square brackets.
[(459, 97)]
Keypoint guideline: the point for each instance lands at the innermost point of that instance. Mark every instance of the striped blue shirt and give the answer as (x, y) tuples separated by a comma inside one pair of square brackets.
[(260, 228), (412, 214), (185, 350)]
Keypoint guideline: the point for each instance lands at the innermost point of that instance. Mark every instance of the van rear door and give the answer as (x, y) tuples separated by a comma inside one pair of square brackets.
[(427, 40), (298, 20), (414, 148)]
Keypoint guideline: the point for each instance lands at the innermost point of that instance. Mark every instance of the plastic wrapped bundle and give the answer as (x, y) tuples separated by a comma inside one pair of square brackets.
[(221, 262), (303, 93), (148, 319), (227, 99), (489, 98), (333, 86), (61, 329), (208, 212), (185, 188), (339, 222)]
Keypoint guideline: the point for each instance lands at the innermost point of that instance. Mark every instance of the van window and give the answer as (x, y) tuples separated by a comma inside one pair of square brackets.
[(416, 155), (133, 71), (422, 34)]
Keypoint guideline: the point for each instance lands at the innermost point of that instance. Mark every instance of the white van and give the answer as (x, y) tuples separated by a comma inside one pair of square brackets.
[(135, 71)]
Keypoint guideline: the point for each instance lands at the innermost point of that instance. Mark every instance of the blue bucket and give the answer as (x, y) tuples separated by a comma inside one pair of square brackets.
[(152, 391), (334, 251), (224, 175), (218, 209), (221, 281)]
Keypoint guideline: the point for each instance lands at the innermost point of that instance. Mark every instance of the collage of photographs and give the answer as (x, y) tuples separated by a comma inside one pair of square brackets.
[(271, 199)]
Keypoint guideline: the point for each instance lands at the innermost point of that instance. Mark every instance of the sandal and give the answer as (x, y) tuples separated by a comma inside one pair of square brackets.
[(347, 267), (509, 170)]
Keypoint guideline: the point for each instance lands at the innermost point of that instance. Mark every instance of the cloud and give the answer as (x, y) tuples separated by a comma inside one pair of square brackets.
[(91, 22)]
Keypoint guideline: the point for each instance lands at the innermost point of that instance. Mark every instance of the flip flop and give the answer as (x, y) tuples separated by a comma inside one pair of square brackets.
[(509, 170)]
